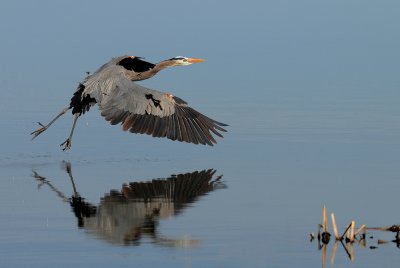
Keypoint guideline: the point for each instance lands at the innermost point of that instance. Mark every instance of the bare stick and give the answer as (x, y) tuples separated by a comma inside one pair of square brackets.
[(347, 228), (393, 228), (324, 220), (360, 230), (352, 231), (335, 231), (325, 234)]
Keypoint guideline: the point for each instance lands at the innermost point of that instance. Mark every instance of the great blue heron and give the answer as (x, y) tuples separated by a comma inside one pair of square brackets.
[(137, 108)]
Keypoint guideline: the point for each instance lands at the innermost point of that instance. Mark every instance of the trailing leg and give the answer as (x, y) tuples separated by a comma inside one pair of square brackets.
[(68, 142), (44, 127)]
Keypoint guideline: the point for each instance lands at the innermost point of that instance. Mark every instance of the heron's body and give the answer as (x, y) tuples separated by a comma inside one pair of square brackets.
[(137, 108)]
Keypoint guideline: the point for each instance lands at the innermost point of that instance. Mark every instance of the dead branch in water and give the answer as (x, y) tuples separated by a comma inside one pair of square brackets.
[(393, 228), (349, 236), (335, 231)]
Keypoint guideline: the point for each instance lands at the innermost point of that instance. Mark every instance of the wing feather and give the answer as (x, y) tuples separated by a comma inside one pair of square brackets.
[(159, 128), (147, 111), (128, 122), (178, 127), (185, 131), (205, 130), (172, 128), (135, 124), (144, 126), (202, 136), (192, 131), (151, 124)]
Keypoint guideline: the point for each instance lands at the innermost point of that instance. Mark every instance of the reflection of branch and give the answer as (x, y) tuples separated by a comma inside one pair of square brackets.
[(334, 249), (323, 259), (350, 254), (349, 249)]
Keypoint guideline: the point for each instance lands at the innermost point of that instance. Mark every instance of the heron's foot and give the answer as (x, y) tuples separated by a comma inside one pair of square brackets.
[(39, 130), (67, 144)]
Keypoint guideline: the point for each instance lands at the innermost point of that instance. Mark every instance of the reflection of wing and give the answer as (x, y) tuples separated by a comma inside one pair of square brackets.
[(180, 189), (122, 217)]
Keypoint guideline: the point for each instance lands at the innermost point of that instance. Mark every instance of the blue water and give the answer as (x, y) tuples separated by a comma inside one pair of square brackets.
[(309, 89)]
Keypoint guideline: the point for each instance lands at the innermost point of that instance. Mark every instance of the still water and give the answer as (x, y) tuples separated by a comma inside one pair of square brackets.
[(252, 200), (310, 93)]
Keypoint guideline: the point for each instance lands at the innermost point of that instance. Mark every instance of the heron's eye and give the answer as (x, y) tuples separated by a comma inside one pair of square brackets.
[(184, 60)]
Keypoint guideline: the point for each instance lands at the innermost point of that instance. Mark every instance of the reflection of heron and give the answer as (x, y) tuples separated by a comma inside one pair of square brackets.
[(139, 109), (125, 216)]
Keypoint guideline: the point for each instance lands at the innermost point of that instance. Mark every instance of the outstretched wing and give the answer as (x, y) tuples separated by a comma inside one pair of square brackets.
[(147, 111)]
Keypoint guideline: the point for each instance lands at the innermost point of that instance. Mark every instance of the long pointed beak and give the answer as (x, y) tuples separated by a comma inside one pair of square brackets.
[(194, 60)]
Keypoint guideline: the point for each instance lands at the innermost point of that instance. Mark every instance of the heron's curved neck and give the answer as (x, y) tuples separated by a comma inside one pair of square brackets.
[(152, 72), (163, 65)]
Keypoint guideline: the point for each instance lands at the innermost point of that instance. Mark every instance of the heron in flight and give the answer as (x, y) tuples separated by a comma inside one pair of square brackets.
[(137, 108)]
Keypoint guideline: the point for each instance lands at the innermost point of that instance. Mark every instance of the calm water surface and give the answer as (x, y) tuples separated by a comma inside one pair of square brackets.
[(310, 92), (275, 181)]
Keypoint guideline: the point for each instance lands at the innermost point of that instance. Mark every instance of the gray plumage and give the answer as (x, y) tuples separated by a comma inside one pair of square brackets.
[(139, 109)]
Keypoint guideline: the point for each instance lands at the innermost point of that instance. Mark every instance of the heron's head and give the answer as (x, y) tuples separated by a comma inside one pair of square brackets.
[(182, 61)]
